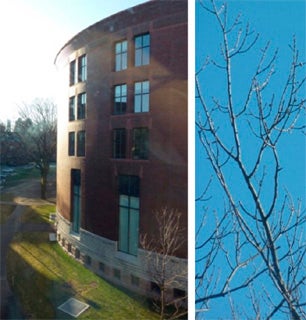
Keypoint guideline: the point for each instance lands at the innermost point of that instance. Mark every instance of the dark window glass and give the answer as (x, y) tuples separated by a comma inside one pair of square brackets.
[(72, 73), (128, 214), (142, 96), (119, 143), (81, 144), (82, 68), (71, 108), (76, 202), (121, 55), (120, 98), (142, 50), (71, 144), (82, 106), (140, 143)]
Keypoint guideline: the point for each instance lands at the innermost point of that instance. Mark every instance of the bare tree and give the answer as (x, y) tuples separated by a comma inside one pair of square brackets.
[(257, 244), (161, 251), (39, 135)]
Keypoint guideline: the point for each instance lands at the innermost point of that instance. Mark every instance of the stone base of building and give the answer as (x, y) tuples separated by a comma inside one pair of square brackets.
[(101, 256)]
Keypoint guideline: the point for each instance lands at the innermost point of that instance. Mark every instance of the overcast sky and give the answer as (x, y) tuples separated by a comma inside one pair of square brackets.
[(31, 33)]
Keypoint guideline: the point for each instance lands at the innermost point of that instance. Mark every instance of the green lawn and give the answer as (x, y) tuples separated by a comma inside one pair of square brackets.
[(44, 277)]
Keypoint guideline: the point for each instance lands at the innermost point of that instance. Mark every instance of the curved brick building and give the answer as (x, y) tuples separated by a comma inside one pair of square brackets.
[(122, 139)]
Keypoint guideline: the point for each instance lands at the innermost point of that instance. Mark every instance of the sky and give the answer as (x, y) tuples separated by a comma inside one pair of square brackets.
[(275, 21), (31, 33)]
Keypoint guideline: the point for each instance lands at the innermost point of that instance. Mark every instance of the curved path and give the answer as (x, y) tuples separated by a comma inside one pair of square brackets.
[(25, 194)]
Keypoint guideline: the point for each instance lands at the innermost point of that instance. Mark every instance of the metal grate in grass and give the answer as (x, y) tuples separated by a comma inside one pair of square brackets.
[(73, 307)]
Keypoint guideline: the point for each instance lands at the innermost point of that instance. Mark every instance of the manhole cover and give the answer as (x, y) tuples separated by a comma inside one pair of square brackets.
[(73, 307)]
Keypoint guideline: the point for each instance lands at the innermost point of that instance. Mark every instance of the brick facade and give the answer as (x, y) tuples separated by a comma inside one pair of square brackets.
[(162, 172)]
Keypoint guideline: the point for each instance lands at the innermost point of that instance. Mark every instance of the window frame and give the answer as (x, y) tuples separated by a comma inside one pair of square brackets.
[(71, 143), (72, 108), (81, 143), (81, 106), (72, 72), (140, 149), (129, 213), (142, 96), (121, 55), (142, 50), (82, 68), (119, 138), (121, 108)]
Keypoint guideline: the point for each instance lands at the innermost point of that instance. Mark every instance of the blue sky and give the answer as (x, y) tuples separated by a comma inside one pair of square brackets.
[(275, 21), (32, 32)]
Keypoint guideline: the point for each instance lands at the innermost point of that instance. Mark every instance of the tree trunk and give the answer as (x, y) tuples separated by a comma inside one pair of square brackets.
[(43, 182)]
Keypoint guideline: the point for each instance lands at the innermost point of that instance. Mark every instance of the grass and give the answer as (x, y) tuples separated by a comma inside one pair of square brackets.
[(44, 276)]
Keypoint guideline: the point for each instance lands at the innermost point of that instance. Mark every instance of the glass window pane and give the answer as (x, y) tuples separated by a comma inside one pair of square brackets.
[(134, 202), (124, 200), (118, 47), (134, 231), (146, 40), (124, 61), (124, 46), (138, 57), (145, 86), (138, 87), (145, 103), (138, 42), (137, 104), (123, 229), (146, 56)]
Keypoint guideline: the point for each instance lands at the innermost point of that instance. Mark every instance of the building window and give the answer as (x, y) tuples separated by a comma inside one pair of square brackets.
[(128, 214), (142, 50), (71, 144), (82, 68), (120, 98), (72, 73), (141, 96), (81, 105), (140, 148), (81, 144), (119, 143), (121, 55), (71, 108), (76, 203)]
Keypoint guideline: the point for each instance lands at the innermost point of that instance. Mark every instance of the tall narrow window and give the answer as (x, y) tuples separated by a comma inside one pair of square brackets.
[(121, 55), (128, 214), (140, 143), (71, 144), (142, 96), (82, 68), (82, 106), (81, 144), (119, 143), (75, 200), (142, 50), (71, 108), (120, 99), (72, 73)]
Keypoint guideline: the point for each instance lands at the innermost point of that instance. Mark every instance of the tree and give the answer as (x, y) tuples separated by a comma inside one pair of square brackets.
[(37, 124), (255, 245), (160, 253)]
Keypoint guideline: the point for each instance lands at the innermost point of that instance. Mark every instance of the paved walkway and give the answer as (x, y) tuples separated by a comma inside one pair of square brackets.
[(9, 305), (27, 195)]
